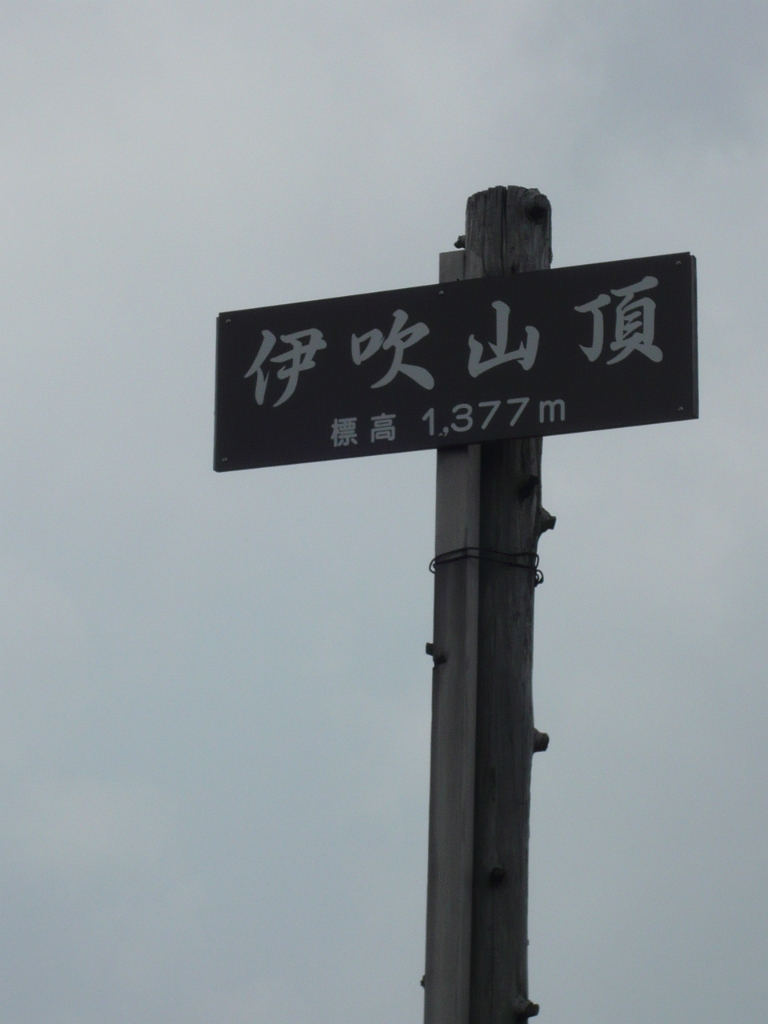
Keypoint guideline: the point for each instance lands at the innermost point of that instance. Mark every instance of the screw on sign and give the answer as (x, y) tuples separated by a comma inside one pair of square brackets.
[(500, 353)]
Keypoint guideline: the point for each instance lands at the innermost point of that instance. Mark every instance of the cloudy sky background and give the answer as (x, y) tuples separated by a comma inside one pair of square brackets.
[(214, 717)]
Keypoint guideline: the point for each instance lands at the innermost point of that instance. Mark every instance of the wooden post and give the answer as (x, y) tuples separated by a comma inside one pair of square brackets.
[(489, 500), (452, 770)]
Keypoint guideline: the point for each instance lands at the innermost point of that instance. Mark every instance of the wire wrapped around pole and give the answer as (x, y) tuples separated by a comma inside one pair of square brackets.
[(512, 559)]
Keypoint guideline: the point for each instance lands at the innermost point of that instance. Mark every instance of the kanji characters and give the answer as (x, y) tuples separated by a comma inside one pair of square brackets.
[(635, 323), (400, 337), (299, 357), (383, 428), (525, 353), (344, 432)]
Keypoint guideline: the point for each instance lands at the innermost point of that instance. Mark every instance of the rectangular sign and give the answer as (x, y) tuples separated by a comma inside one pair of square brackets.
[(547, 352)]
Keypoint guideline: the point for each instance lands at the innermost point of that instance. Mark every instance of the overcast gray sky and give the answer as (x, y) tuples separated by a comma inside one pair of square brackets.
[(214, 728)]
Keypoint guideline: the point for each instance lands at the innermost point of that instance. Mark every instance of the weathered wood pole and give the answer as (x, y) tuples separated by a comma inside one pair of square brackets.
[(489, 500)]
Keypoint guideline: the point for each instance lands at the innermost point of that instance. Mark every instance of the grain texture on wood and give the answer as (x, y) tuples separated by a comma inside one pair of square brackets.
[(452, 758), (488, 498), (508, 231)]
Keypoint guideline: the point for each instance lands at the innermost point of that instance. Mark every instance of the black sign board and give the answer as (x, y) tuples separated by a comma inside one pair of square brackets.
[(547, 352)]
